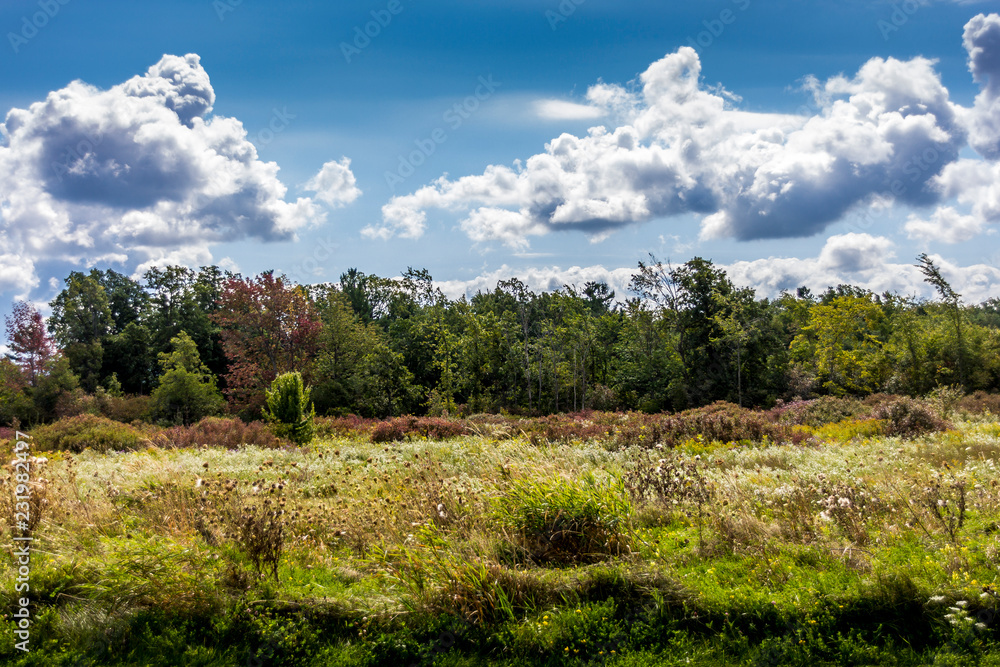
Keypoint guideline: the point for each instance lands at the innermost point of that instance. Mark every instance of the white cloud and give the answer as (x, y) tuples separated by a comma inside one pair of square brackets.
[(540, 279), (17, 274), (564, 110), (853, 252), (335, 183), (982, 41), (946, 225), (855, 259), (139, 175), (882, 135)]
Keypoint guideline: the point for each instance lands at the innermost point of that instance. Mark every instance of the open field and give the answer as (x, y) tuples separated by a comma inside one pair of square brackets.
[(840, 546)]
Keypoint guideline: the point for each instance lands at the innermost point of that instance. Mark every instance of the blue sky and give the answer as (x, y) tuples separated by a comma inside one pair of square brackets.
[(772, 148)]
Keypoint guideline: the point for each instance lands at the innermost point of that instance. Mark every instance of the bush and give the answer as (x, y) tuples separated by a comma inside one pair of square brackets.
[(819, 412), (567, 522), (187, 390), (979, 402), (346, 426), (907, 417), (433, 428), (82, 431), (287, 408), (230, 433), (721, 421), (124, 409)]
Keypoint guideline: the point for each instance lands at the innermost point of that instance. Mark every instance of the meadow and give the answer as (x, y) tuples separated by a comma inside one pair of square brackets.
[(832, 531)]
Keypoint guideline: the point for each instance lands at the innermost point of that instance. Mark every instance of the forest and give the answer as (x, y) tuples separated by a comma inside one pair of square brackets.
[(179, 345)]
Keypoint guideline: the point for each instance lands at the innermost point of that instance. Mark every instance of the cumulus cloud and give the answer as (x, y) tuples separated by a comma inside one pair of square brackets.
[(865, 261), (857, 259), (540, 279), (17, 274), (335, 183), (883, 135), (982, 41), (946, 225), (141, 174)]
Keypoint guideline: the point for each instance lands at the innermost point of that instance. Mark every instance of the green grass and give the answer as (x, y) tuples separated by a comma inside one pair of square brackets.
[(441, 552)]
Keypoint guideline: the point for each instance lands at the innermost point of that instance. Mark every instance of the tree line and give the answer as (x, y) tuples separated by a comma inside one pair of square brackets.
[(195, 343)]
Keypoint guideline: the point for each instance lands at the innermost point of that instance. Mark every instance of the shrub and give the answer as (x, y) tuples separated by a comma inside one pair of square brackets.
[(908, 418), (287, 408), (979, 402), (390, 430), (187, 390), (230, 433), (819, 412), (75, 402), (260, 534), (345, 426), (721, 421), (672, 482), (82, 431), (124, 409), (945, 399), (568, 521), (434, 428)]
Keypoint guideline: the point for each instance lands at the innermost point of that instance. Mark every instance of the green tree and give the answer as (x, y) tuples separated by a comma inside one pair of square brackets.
[(342, 345), (385, 386), (182, 300), (844, 342), (953, 300), (57, 380), (81, 318), (287, 408), (187, 390), (129, 355), (128, 302), (15, 404)]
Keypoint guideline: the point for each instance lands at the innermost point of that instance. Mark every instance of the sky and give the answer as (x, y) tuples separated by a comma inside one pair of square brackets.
[(791, 142)]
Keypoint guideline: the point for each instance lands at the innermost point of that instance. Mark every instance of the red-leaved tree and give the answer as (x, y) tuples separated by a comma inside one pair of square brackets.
[(269, 327), (28, 340)]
